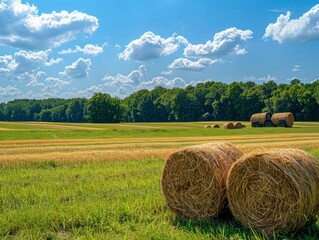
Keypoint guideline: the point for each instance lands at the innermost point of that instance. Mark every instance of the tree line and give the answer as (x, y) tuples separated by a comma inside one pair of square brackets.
[(205, 101)]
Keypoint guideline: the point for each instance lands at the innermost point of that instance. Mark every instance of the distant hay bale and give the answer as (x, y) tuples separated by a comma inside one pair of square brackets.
[(261, 118), (274, 190), (238, 125), (215, 126), (229, 125), (194, 179), (243, 126), (288, 117), (207, 126)]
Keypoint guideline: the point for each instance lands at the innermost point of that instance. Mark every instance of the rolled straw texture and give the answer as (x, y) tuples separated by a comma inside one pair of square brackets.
[(288, 117), (228, 125), (274, 189), (194, 179), (259, 117), (238, 125)]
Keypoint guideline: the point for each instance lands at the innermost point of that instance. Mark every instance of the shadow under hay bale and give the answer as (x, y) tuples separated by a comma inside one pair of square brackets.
[(194, 179), (274, 190), (229, 125), (238, 125)]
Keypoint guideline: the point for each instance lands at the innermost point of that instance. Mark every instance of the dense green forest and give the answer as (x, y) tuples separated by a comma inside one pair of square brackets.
[(205, 101)]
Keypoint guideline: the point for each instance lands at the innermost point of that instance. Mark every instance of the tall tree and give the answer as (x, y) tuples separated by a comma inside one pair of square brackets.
[(45, 115), (102, 108), (75, 110), (1, 112)]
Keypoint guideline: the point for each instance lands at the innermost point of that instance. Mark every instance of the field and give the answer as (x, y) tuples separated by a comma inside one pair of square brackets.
[(102, 181)]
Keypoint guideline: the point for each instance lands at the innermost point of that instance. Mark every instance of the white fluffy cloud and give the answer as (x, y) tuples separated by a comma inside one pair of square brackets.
[(88, 49), (167, 73), (134, 81), (125, 84), (261, 79), (23, 27), (53, 61), (164, 82), (34, 82), (296, 68), (22, 63), (79, 69), (9, 92), (133, 78), (303, 29), (56, 82), (150, 46), (186, 64), (225, 42)]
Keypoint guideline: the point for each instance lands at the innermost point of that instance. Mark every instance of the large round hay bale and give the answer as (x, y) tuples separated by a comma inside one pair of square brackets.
[(229, 125), (274, 190), (261, 118), (194, 179), (288, 117), (215, 126), (238, 125)]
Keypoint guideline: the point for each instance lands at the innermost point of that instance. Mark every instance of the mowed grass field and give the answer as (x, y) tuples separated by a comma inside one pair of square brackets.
[(102, 181)]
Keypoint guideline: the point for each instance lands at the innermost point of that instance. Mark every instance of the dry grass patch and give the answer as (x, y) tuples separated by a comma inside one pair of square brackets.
[(68, 150), (4, 129)]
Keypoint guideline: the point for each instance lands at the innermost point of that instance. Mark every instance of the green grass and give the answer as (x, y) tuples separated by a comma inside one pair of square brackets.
[(24, 131), (115, 200)]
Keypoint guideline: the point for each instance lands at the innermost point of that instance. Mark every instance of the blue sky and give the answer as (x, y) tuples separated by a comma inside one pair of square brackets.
[(76, 48)]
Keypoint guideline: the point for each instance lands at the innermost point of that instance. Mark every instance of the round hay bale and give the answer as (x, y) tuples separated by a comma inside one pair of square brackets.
[(215, 126), (275, 189), (243, 126), (261, 118), (207, 126), (288, 117), (238, 125), (194, 179), (229, 125)]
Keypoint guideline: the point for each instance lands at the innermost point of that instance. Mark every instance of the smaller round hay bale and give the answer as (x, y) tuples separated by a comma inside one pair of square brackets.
[(194, 179), (207, 126), (275, 189), (261, 118), (237, 125), (215, 126), (288, 117), (229, 125), (243, 126)]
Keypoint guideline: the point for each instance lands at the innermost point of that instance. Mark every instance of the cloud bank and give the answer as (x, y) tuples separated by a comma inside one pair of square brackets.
[(78, 69), (88, 49), (186, 64), (151, 46), (23, 27), (226, 42), (303, 29)]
